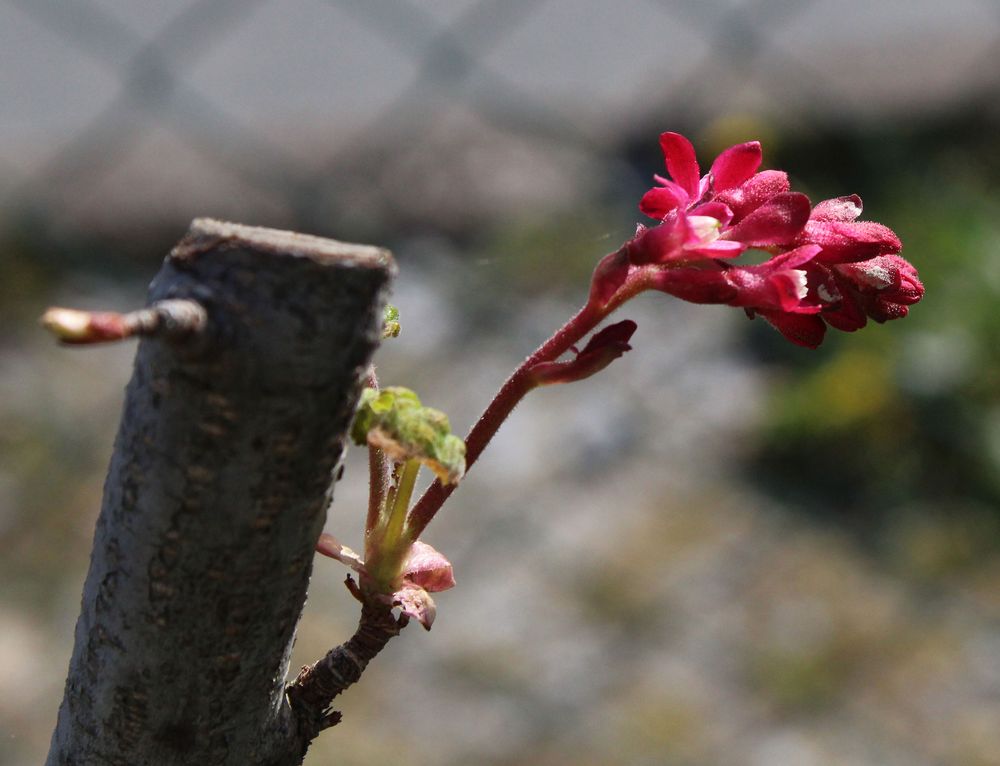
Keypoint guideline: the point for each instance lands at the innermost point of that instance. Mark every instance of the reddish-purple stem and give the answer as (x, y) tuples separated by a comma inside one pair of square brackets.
[(377, 485), (378, 472), (519, 384), (512, 391)]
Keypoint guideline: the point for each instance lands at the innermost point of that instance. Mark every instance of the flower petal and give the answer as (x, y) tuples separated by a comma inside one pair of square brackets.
[(718, 248), (701, 228), (682, 163), (716, 210), (759, 189), (839, 209), (793, 282), (791, 287), (883, 272), (735, 165), (789, 260), (776, 222), (909, 280), (660, 200), (769, 287), (801, 329), (848, 316), (882, 287), (847, 241), (660, 244)]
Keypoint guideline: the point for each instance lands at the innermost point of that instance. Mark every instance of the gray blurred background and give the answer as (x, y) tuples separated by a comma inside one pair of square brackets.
[(723, 549)]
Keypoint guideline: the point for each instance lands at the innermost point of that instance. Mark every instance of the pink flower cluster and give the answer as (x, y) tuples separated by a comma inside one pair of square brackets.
[(825, 266)]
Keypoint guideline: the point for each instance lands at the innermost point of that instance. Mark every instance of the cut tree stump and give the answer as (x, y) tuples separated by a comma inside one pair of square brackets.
[(215, 497)]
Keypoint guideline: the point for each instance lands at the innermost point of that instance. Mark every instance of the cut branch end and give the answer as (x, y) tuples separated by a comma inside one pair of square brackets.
[(174, 319)]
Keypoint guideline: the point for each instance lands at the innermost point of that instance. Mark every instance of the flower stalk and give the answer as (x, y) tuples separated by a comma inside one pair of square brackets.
[(523, 380), (388, 542), (817, 270), (823, 268), (378, 472)]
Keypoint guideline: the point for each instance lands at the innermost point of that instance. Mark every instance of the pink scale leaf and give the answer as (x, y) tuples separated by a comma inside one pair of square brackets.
[(330, 546), (427, 568), (414, 602)]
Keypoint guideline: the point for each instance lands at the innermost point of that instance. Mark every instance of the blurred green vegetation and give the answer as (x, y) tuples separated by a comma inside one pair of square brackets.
[(891, 434), (897, 428), (875, 429), (885, 431)]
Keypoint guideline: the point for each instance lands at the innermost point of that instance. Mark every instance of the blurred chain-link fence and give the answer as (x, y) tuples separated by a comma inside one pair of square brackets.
[(636, 585), (317, 112)]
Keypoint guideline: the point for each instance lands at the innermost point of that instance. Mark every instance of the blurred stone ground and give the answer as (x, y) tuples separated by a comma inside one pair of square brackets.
[(623, 598), (634, 587)]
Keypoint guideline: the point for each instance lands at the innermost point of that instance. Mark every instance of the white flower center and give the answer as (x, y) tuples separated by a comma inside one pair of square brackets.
[(705, 227), (799, 280)]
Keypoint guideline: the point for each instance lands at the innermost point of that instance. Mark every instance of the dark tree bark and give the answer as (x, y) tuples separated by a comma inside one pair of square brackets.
[(216, 494)]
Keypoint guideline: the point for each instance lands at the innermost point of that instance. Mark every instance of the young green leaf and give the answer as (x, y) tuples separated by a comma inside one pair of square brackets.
[(394, 420)]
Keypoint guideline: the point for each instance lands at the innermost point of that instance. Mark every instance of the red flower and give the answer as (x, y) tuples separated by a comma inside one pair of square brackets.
[(832, 225), (826, 267), (780, 284), (717, 215), (757, 190), (882, 288), (731, 169)]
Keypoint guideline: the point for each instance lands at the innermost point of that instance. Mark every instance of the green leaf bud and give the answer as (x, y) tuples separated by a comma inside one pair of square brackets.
[(394, 420), (390, 322)]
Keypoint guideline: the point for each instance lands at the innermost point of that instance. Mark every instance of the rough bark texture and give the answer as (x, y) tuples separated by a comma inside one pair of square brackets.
[(316, 685), (215, 497)]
